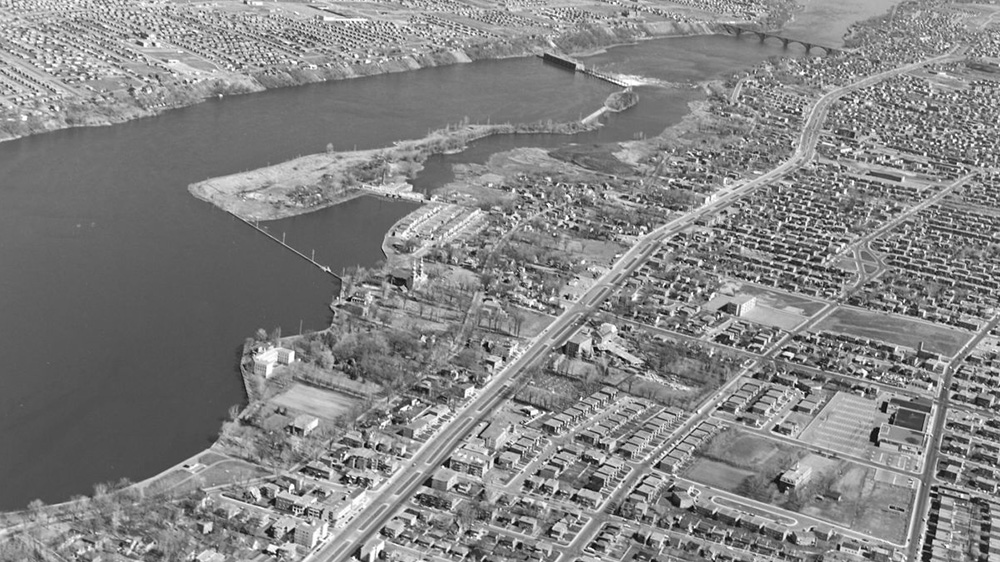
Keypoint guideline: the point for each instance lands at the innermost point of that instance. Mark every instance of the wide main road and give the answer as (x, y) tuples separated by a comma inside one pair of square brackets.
[(435, 452)]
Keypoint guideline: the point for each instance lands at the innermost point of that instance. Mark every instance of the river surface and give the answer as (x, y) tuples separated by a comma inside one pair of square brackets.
[(124, 300), (826, 21), (682, 62)]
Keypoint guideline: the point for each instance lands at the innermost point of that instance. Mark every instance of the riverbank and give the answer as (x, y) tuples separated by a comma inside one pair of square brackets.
[(113, 110)]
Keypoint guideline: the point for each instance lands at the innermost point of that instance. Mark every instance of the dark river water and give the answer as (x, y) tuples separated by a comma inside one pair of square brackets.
[(124, 300)]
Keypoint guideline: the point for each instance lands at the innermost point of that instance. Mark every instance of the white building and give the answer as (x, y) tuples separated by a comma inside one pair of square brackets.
[(264, 361), (308, 534)]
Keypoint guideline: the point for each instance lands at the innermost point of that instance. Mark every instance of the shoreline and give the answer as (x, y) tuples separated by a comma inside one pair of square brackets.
[(238, 85)]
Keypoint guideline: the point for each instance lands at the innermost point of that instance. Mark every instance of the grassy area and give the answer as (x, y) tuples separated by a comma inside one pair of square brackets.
[(321, 403), (333, 380), (595, 251), (534, 322), (599, 158), (762, 314), (167, 481), (864, 502), (875, 515), (230, 472), (743, 449), (673, 394), (838, 491), (210, 457), (847, 264), (716, 474), (896, 330), (549, 391)]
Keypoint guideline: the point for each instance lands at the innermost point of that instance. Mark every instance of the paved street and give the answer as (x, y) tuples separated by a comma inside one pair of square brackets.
[(435, 452)]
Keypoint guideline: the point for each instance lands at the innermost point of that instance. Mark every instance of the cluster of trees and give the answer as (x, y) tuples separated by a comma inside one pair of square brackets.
[(673, 199), (116, 509), (509, 319), (691, 362), (530, 248)]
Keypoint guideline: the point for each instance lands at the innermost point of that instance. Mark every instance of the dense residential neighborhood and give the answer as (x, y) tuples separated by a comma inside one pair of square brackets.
[(782, 344)]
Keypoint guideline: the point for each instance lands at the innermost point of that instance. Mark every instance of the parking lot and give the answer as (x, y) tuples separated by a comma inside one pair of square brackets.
[(844, 425)]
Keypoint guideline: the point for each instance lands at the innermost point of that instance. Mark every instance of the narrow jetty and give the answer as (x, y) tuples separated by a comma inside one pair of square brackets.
[(324, 268)]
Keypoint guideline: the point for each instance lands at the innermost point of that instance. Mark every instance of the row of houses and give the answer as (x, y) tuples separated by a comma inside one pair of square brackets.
[(653, 428), (682, 451), (584, 408)]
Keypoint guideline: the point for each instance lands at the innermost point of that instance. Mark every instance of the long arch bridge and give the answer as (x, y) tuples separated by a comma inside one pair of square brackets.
[(739, 30)]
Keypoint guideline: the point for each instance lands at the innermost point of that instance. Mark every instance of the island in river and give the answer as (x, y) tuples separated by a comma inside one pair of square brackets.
[(317, 181)]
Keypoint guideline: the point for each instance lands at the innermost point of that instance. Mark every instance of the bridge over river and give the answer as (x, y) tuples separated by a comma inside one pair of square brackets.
[(739, 30)]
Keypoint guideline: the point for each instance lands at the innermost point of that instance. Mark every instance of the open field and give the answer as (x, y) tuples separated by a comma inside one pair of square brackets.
[(763, 314), (594, 251), (837, 490), (847, 264), (844, 424), (867, 505), (229, 472), (716, 474), (895, 330), (321, 403), (211, 458), (599, 158), (166, 482), (742, 449), (534, 322), (664, 391)]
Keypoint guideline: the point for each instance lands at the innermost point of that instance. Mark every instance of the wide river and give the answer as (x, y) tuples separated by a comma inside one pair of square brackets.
[(124, 301)]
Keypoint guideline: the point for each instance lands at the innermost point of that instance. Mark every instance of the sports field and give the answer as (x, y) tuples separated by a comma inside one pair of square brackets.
[(844, 424), (324, 404), (895, 330)]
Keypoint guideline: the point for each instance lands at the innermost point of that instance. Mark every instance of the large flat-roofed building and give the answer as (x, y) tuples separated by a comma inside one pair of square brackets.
[(898, 436), (918, 404), (910, 419)]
